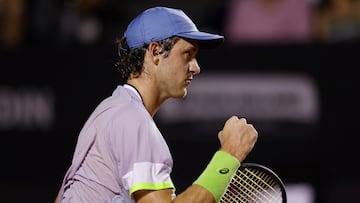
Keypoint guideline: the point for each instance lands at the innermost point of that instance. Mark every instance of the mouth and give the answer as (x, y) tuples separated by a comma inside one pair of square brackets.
[(188, 82)]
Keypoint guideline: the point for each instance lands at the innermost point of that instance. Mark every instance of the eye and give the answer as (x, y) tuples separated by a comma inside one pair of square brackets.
[(188, 55)]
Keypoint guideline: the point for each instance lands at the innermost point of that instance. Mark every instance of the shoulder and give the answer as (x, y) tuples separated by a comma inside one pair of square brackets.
[(124, 109)]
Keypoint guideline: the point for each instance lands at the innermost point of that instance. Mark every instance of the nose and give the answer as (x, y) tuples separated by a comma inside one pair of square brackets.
[(194, 67)]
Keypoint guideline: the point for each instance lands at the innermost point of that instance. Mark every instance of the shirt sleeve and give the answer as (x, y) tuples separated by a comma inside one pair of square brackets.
[(143, 157)]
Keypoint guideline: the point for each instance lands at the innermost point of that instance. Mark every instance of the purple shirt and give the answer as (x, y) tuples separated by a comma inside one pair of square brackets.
[(119, 151)]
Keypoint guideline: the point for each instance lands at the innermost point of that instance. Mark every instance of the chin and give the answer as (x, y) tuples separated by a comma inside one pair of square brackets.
[(181, 95), (185, 93)]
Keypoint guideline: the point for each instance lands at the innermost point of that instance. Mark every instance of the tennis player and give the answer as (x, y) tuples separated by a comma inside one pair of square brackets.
[(121, 156)]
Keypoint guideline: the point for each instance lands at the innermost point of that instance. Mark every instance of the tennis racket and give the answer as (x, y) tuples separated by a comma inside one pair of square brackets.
[(254, 183)]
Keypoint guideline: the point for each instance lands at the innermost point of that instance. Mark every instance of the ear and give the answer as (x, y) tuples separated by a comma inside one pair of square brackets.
[(154, 50)]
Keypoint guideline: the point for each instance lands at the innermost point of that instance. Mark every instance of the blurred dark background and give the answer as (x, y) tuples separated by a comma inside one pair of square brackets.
[(57, 63)]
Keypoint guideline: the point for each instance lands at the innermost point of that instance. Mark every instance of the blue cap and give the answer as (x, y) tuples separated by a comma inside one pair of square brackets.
[(158, 23)]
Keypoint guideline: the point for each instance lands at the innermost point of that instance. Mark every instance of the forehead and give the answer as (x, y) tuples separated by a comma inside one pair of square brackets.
[(187, 44)]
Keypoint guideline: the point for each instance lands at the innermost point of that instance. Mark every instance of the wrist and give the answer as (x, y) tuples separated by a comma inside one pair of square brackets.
[(218, 173)]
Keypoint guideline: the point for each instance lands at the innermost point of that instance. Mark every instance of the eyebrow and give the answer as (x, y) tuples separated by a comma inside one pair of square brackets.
[(192, 49)]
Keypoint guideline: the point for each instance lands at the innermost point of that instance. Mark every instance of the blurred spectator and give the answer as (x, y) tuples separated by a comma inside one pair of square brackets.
[(12, 19), (81, 22), (269, 21), (339, 21)]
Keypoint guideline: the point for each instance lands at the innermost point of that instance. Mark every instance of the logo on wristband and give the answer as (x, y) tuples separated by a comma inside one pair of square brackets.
[(224, 170)]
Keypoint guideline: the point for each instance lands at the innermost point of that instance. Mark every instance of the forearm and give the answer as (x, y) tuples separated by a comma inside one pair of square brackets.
[(211, 184), (195, 194), (57, 199)]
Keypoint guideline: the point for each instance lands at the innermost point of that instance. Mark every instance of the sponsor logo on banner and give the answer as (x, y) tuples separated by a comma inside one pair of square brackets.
[(26, 108), (264, 97)]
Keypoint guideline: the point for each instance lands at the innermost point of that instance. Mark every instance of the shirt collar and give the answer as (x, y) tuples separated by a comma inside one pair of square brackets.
[(134, 90)]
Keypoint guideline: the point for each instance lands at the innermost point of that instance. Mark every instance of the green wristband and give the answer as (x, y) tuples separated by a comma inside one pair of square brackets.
[(218, 173)]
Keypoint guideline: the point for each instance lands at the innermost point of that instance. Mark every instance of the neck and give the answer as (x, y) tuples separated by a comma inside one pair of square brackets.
[(149, 94)]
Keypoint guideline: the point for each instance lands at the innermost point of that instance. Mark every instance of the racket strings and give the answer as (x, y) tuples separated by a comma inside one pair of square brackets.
[(252, 186)]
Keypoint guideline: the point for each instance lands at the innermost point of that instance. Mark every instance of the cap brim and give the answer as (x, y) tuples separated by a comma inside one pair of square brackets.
[(206, 40)]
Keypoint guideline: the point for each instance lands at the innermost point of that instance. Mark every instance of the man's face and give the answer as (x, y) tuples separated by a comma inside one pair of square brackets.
[(176, 71)]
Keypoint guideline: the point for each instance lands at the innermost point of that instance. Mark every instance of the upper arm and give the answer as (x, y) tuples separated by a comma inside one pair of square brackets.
[(150, 196)]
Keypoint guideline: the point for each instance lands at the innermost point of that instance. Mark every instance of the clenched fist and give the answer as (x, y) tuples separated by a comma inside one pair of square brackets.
[(237, 137)]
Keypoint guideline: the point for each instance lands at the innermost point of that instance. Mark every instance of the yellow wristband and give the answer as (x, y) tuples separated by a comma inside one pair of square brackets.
[(218, 173)]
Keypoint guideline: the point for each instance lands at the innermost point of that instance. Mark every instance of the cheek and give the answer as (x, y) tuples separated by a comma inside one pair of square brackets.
[(166, 74), (173, 69)]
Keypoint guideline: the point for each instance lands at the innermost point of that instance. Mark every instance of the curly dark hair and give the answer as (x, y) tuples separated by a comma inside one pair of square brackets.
[(131, 61)]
